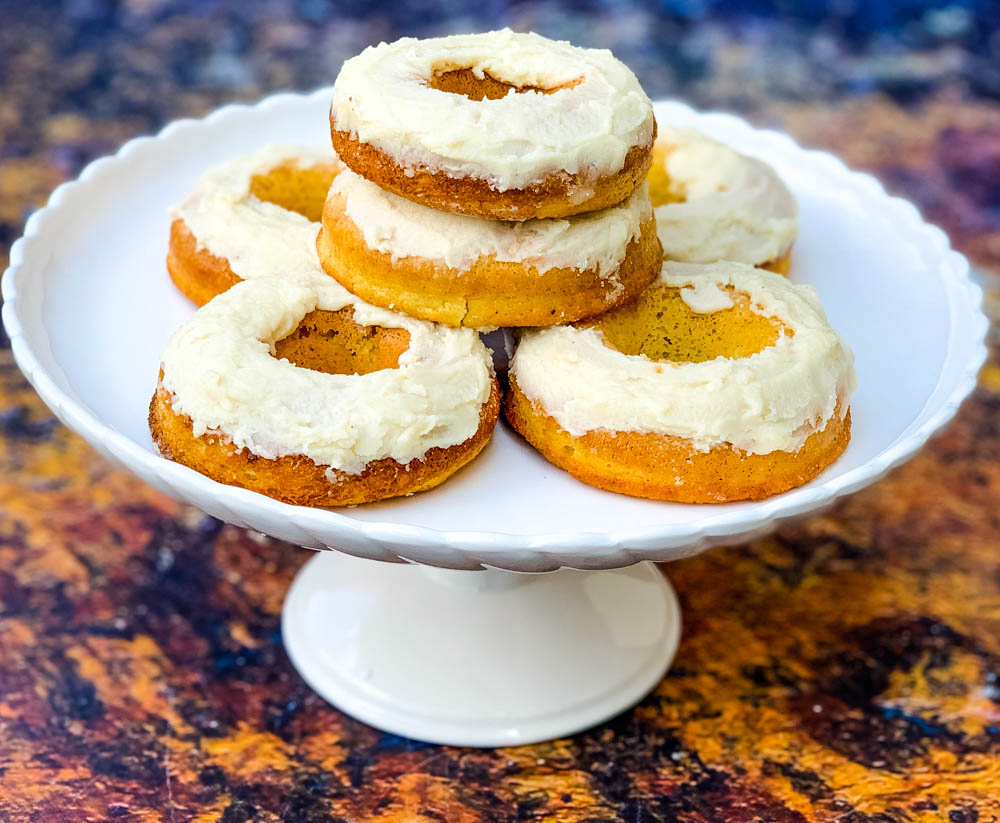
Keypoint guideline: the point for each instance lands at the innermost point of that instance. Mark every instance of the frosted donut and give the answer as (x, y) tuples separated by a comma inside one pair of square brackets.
[(720, 382), (466, 271), (503, 125), (251, 217), (294, 388), (713, 203)]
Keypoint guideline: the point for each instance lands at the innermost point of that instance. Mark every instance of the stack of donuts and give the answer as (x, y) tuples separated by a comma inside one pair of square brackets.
[(490, 181)]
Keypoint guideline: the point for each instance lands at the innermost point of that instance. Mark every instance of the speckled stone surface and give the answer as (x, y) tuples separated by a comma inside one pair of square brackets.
[(847, 669)]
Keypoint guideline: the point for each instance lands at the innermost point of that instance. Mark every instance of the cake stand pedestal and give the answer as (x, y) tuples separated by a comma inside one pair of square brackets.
[(479, 658)]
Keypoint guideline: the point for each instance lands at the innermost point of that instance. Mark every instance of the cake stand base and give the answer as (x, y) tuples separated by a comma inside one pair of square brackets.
[(479, 658)]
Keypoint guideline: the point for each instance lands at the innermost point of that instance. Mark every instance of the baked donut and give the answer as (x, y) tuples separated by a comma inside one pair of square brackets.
[(466, 271), (713, 203), (503, 125), (294, 388), (720, 382), (254, 216)]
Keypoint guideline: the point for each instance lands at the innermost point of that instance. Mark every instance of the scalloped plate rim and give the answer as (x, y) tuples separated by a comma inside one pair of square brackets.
[(549, 550)]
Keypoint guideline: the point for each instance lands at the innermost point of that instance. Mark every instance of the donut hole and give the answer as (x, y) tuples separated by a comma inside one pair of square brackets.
[(663, 189), (301, 189), (466, 82), (662, 327), (333, 343)]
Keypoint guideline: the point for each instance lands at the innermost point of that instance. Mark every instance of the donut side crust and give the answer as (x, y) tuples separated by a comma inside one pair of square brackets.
[(490, 292), (663, 467), (780, 265), (555, 196), (296, 479), (198, 273)]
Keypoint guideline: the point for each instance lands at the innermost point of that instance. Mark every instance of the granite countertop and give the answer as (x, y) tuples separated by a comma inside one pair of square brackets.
[(845, 669)]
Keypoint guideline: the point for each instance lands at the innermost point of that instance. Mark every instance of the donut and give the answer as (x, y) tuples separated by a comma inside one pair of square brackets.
[(254, 216), (291, 387), (721, 382), (466, 271), (502, 125), (713, 203)]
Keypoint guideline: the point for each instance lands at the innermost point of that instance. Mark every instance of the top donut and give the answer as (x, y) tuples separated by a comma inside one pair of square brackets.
[(503, 125)]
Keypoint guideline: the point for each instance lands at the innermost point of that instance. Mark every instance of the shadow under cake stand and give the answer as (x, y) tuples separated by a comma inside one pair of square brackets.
[(438, 648)]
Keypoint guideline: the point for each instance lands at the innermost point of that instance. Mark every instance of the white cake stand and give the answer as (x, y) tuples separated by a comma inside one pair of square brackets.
[(486, 657)]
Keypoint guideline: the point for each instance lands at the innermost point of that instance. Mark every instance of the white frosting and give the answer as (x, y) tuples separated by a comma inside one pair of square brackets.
[(705, 297), (771, 400), (402, 228), (383, 97), (735, 207), (259, 239), (220, 370)]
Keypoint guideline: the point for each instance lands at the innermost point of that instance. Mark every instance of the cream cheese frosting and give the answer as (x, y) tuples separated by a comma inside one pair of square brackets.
[(383, 97), (735, 207), (394, 225), (771, 400), (220, 368), (259, 239)]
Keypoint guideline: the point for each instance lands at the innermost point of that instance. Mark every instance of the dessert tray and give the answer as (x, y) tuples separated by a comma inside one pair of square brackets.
[(481, 657)]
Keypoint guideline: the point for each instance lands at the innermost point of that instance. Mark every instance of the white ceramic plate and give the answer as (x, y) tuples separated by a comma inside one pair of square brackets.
[(89, 307)]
